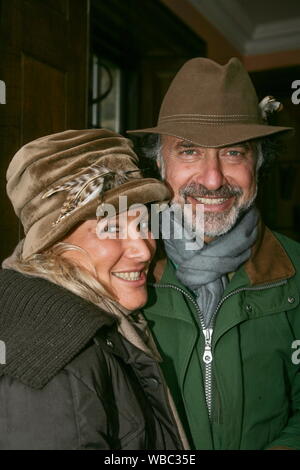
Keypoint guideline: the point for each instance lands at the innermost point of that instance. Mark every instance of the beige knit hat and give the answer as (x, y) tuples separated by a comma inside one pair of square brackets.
[(59, 180), (214, 105)]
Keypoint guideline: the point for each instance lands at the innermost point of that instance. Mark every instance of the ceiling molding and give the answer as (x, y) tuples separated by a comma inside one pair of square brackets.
[(234, 22), (279, 28), (272, 44)]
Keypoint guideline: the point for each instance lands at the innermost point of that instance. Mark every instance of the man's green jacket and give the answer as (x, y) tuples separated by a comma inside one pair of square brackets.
[(253, 381)]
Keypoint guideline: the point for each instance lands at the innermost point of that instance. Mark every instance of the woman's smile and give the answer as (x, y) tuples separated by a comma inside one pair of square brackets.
[(119, 263)]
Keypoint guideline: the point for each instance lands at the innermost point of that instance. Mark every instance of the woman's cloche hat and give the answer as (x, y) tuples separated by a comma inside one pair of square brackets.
[(59, 180)]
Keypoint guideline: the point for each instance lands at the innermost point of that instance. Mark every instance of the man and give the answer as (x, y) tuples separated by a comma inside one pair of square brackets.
[(226, 316)]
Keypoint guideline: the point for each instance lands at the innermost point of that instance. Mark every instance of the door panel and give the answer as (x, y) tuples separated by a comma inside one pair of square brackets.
[(44, 84), (44, 62)]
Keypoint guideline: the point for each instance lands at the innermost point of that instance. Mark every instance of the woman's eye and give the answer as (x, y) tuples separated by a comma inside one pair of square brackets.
[(107, 228), (113, 228), (143, 226), (101, 228)]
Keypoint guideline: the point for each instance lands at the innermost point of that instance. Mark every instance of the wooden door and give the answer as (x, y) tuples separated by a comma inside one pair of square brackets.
[(44, 58), (149, 44)]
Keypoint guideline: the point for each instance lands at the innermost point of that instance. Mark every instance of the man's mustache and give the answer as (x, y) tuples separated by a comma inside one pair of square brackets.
[(198, 190)]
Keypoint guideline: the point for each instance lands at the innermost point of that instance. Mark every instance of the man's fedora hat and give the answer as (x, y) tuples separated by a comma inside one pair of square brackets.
[(214, 105)]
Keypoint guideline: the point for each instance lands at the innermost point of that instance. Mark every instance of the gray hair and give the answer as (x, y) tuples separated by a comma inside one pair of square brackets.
[(151, 148)]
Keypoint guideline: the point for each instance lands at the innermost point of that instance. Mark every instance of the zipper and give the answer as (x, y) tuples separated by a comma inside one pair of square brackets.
[(207, 331)]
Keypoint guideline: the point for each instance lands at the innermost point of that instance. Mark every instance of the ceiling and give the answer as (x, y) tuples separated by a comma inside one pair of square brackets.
[(256, 26)]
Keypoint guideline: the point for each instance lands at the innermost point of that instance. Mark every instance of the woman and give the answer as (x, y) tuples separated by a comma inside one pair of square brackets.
[(81, 371)]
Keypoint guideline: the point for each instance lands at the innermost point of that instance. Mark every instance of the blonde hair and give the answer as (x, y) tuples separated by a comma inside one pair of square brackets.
[(54, 267)]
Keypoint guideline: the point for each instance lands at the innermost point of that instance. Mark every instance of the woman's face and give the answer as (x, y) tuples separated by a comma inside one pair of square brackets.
[(117, 252)]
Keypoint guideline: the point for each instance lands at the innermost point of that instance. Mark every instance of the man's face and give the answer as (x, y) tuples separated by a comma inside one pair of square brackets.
[(222, 179)]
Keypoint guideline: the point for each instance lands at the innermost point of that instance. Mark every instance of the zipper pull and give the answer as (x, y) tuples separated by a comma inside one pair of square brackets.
[(207, 356)]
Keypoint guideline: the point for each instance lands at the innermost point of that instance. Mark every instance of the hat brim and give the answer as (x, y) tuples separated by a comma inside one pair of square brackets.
[(214, 135), (138, 191)]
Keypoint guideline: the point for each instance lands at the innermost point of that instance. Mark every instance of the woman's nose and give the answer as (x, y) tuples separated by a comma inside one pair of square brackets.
[(139, 248)]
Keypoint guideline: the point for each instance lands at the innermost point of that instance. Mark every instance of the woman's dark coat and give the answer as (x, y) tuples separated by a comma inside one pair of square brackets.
[(70, 380)]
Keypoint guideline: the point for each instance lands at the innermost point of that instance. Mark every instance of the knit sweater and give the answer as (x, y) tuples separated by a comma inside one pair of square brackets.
[(43, 326)]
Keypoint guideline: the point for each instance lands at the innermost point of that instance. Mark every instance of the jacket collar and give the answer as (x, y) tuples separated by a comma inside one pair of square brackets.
[(268, 262)]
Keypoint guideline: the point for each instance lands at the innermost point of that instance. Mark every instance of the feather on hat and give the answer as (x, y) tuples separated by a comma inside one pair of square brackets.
[(88, 186)]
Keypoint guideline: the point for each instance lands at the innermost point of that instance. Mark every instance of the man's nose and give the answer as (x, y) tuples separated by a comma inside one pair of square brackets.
[(210, 172)]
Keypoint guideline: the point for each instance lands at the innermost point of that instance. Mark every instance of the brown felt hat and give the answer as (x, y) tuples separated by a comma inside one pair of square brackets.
[(59, 180), (213, 105)]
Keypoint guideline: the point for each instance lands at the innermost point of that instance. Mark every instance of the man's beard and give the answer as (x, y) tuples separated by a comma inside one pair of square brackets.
[(218, 223)]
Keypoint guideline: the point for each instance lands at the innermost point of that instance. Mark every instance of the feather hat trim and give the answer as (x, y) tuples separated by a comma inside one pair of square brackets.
[(88, 186), (269, 105)]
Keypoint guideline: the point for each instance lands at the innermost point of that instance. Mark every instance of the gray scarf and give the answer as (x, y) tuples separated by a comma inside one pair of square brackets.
[(205, 270)]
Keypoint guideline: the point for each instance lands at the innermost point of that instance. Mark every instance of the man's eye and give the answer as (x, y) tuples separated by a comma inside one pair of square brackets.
[(235, 153), (189, 152)]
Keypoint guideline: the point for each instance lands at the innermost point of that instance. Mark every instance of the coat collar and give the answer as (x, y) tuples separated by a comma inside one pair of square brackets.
[(268, 262)]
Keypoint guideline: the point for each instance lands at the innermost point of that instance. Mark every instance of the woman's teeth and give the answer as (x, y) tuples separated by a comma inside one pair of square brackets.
[(210, 201), (132, 276)]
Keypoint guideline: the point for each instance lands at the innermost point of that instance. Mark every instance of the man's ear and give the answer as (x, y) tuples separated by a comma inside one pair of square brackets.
[(158, 164)]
